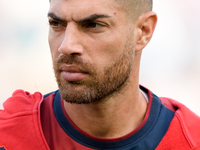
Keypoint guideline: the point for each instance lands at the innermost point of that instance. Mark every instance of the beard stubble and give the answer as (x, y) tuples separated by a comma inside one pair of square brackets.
[(99, 84)]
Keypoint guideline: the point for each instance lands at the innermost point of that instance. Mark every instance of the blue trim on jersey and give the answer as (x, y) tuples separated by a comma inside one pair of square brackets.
[(148, 137), (46, 95), (2, 148)]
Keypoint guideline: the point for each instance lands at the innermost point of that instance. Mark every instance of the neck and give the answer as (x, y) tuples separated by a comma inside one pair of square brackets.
[(110, 118)]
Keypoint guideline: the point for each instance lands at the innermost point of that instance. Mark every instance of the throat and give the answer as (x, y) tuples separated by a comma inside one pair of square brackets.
[(109, 119)]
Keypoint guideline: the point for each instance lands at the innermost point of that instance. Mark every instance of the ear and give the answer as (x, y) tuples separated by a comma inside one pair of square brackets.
[(145, 26)]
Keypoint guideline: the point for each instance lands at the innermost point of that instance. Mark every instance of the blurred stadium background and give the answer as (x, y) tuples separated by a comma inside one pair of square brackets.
[(170, 64)]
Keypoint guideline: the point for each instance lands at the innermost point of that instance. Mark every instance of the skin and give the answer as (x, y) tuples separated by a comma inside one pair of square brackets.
[(112, 41), (135, 8)]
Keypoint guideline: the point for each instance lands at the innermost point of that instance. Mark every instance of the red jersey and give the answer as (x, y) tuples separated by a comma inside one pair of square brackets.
[(31, 121)]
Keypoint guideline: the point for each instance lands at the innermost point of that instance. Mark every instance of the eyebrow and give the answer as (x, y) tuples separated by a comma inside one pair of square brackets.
[(52, 15), (81, 21), (92, 18)]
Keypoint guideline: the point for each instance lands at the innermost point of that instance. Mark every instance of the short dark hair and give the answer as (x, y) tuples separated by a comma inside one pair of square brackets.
[(136, 7)]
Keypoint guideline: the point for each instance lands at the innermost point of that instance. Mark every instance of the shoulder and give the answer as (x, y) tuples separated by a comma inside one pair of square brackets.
[(21, 102), (20, 121), (185, 124)]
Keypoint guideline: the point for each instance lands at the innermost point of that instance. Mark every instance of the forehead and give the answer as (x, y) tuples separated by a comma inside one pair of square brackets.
[(77, 8)]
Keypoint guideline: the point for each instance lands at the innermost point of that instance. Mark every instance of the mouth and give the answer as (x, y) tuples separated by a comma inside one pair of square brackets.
[(72, 73)]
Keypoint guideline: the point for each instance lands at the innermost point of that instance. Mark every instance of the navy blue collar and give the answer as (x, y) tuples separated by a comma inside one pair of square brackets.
[(147, 137)]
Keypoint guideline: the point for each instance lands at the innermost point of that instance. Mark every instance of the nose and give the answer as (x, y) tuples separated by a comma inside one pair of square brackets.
[(71, 43)]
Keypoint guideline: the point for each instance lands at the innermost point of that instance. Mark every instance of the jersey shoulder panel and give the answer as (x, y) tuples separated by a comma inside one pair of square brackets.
[(174, 138), (20, 102), (187, 120), (20, 122)]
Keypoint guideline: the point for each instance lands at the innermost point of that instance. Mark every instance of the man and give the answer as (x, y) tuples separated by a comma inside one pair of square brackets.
[(96, 48)]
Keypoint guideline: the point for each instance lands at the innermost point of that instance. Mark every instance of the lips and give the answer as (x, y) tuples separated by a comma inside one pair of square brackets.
[(72, 73)]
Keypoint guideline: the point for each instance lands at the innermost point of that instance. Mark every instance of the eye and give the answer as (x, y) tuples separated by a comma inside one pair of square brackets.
[(92, 25), (55, 24)]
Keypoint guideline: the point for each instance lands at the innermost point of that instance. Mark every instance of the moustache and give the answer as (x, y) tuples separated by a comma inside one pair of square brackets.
[(73, 60), (69, 60)]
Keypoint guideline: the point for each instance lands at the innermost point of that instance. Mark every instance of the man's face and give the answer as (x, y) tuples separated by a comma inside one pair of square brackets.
[(92, 49)]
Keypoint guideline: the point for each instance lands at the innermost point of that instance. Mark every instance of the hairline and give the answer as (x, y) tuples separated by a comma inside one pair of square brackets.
[(135, 8)]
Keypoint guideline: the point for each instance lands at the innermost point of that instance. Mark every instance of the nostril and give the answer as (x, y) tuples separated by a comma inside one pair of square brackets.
[(70, 47), (73, 54)]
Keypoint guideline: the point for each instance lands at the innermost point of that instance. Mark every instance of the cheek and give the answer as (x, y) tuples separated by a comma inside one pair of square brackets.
[(104, 55), (110, 49), (54, 44)]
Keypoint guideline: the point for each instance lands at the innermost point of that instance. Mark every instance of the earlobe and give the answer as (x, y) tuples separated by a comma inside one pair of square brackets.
[(146, 24)]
